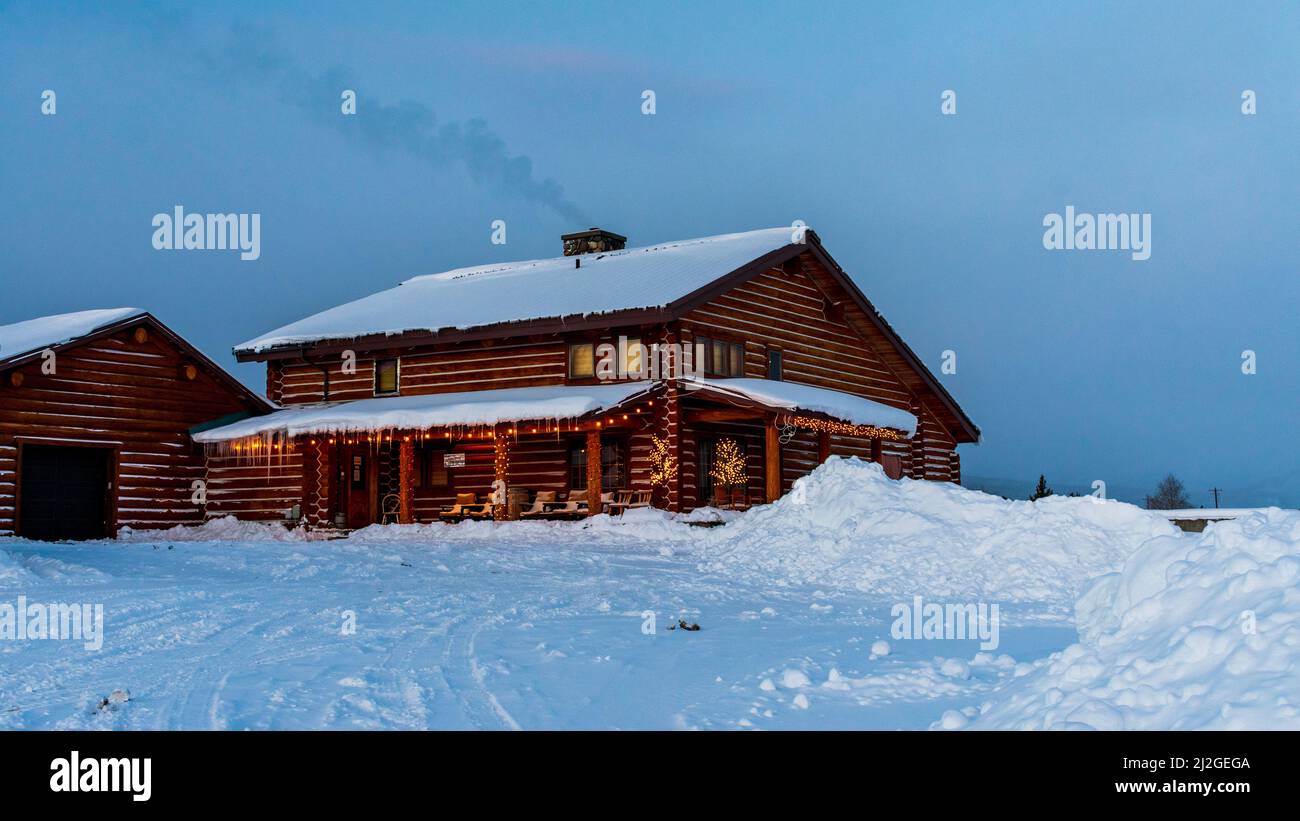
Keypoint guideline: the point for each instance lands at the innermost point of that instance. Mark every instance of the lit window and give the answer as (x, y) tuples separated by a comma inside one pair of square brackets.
[(385, 376), (582, 360), (737, 359)]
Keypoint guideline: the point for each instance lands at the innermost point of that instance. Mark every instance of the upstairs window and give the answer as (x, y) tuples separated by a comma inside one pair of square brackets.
[(385, 376), (721, 358), (582, 361), (773, 364)]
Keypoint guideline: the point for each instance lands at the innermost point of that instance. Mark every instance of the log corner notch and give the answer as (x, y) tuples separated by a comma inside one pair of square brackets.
[(772, 462), (593, 472), (406, 483)]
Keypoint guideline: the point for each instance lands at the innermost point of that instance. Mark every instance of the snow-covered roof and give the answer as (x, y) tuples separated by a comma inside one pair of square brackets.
[(649, 277), (477, 408), (464, 408), (853, 409), (38, 334)]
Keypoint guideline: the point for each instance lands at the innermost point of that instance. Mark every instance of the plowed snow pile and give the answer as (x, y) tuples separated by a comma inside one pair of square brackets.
[(1194, 633), (847, 525)]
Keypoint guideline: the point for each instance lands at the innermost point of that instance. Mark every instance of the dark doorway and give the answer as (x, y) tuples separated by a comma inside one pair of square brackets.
[(63, 492), (359, 484)]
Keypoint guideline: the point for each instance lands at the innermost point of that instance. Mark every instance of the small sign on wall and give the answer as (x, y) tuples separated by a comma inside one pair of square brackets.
[(453, 460)]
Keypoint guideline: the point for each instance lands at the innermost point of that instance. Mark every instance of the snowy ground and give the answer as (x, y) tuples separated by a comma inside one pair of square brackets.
[(247, 635), (534, 625)]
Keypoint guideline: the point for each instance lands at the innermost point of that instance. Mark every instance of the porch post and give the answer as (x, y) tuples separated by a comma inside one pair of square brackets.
[(501, 469), (406, 483), (823, 446), (772, 461), (593, 472)]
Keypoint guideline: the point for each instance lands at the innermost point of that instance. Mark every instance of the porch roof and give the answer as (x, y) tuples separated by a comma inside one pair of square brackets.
[(465, 408), (791, 396), (481, 408)]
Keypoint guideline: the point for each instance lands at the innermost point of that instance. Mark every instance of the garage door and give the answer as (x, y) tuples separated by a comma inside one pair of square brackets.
[(63, 492)]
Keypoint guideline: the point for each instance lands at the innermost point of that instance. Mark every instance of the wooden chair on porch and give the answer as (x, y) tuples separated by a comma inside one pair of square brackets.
[(606, 499), (467, 507), (390, 509), (574, 506), (542, 503), (625, 500)]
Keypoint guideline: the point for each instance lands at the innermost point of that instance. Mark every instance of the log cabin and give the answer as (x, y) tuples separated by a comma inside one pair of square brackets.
[(713, 371), (96, 412)]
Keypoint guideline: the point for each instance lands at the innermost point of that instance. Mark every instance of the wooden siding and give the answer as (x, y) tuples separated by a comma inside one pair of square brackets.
[(471, 366), (254, 487), (130, 395), (795, 313)]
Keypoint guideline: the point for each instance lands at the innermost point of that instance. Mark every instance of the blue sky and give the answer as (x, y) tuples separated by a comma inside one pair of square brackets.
[(1082, 365)]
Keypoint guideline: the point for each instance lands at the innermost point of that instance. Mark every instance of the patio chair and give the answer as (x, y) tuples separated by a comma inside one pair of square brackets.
[(391, 508), (622, 499), (467, 507), (606, 499), (574, 505), (541, 502)]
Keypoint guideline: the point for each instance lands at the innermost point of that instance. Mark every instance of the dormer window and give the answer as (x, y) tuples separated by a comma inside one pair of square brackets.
[(385, 377)]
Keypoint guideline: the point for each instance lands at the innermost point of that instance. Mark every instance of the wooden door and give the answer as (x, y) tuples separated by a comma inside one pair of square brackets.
[(359, 481)]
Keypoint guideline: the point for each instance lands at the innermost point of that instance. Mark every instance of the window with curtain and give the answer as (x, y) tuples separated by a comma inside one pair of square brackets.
[(385, 376), (582, 360)]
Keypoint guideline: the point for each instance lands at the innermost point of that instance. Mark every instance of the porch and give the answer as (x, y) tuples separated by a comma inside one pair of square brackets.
[(682, 443)]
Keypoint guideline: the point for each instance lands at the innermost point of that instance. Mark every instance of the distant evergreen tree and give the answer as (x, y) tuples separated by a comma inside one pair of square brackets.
[(1042, 491), (1170, 495)]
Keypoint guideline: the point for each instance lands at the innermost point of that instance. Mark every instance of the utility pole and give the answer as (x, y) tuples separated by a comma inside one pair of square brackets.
[(1216, 491)]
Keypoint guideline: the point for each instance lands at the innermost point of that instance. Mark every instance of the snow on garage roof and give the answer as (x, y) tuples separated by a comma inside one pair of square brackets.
[(855, 410), (464, 408), (649, 277), (45, 332)]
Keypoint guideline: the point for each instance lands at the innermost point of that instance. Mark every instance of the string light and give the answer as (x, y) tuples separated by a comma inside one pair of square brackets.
[(844, 428)]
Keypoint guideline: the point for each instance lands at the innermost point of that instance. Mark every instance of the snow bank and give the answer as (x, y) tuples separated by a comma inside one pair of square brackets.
[(1195, 632), (847, 525), (11, 570), (642, 525), (225, 529)]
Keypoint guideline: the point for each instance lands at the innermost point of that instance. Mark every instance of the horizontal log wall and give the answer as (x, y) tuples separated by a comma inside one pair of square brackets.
[(472, 366), (129, 394), (789, 312), (254, 487), (786, 311)]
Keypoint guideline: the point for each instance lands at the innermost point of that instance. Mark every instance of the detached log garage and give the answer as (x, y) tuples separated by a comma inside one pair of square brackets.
[(96, 409)]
